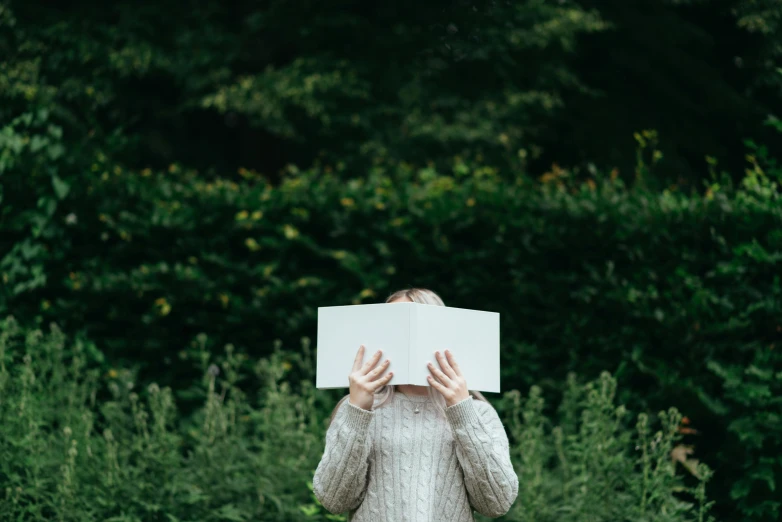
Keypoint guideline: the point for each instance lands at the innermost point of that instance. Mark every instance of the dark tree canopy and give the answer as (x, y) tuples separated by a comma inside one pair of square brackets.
[(517, 84)]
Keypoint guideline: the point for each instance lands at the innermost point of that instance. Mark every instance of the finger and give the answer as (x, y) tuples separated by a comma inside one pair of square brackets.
[(440, 376), (452, 362), (436, 385), (371, 363), (444, 365), (374, 374), (359, 358), (376, 385)]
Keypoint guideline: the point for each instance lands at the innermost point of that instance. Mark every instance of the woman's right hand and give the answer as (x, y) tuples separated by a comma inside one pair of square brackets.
[(365, 381)]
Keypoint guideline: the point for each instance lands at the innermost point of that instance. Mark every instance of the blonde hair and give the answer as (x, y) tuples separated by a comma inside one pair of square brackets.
[(384, 395), (417, 295)]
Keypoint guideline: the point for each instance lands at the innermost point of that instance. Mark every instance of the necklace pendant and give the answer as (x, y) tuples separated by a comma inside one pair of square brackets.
[(417, 410)]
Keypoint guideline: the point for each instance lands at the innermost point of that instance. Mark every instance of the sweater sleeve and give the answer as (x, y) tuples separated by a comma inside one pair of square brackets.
[(341, 477), (483, 452)]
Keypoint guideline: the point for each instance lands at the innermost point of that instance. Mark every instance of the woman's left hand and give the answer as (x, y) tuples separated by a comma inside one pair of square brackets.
[(450, 381)]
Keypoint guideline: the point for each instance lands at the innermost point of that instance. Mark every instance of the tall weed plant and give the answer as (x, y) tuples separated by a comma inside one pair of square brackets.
[(590, 463), (77, 444)]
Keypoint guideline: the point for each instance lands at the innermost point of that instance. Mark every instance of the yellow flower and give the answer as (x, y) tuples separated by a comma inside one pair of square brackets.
[(252, 244), (380, 205), (339, 254), (224, 300), (173, 169), (257, 215), (286, 365), (290, 231), (591, 184), (367, 292), (113, 373), (146, 172), (397, 222), (164, 308), (76, 282), (241, 216), (471, 202), (347, 202)]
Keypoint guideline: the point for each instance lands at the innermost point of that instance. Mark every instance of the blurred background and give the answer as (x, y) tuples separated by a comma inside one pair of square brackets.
[(182, 184)]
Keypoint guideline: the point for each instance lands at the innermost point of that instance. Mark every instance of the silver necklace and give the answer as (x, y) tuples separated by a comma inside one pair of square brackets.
[(416, 409)]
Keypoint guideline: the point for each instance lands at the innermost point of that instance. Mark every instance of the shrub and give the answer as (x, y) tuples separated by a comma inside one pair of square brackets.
[(78, 445), (663, 289), (592, 466)]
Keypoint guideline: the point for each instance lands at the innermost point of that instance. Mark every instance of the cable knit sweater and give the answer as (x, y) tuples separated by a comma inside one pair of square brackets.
[(395, 465)]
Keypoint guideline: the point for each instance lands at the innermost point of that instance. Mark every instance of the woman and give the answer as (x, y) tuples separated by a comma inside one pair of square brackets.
[(414, 453)]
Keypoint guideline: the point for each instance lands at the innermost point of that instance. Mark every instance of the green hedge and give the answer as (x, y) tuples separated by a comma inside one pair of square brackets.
[(677, 294), (77, 444)]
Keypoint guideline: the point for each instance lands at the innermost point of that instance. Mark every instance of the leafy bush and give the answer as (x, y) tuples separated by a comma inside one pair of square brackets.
[(677, 294), (78, 445), (592, 466)]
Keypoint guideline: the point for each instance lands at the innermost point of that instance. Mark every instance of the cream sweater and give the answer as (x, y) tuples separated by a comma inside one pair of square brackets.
[(395, 465)]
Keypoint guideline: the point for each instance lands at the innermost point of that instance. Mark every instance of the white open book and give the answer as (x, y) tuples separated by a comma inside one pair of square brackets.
[(408, 334)]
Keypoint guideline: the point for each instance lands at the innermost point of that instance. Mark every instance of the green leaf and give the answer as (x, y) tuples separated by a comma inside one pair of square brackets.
[(61, 188)]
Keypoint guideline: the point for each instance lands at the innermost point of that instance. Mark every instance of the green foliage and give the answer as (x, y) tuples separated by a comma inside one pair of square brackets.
[(31, 144), (754, 392), (77, 444), (265, 84), (297, 80), (591, 466), (109, 229), (654, 286)]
